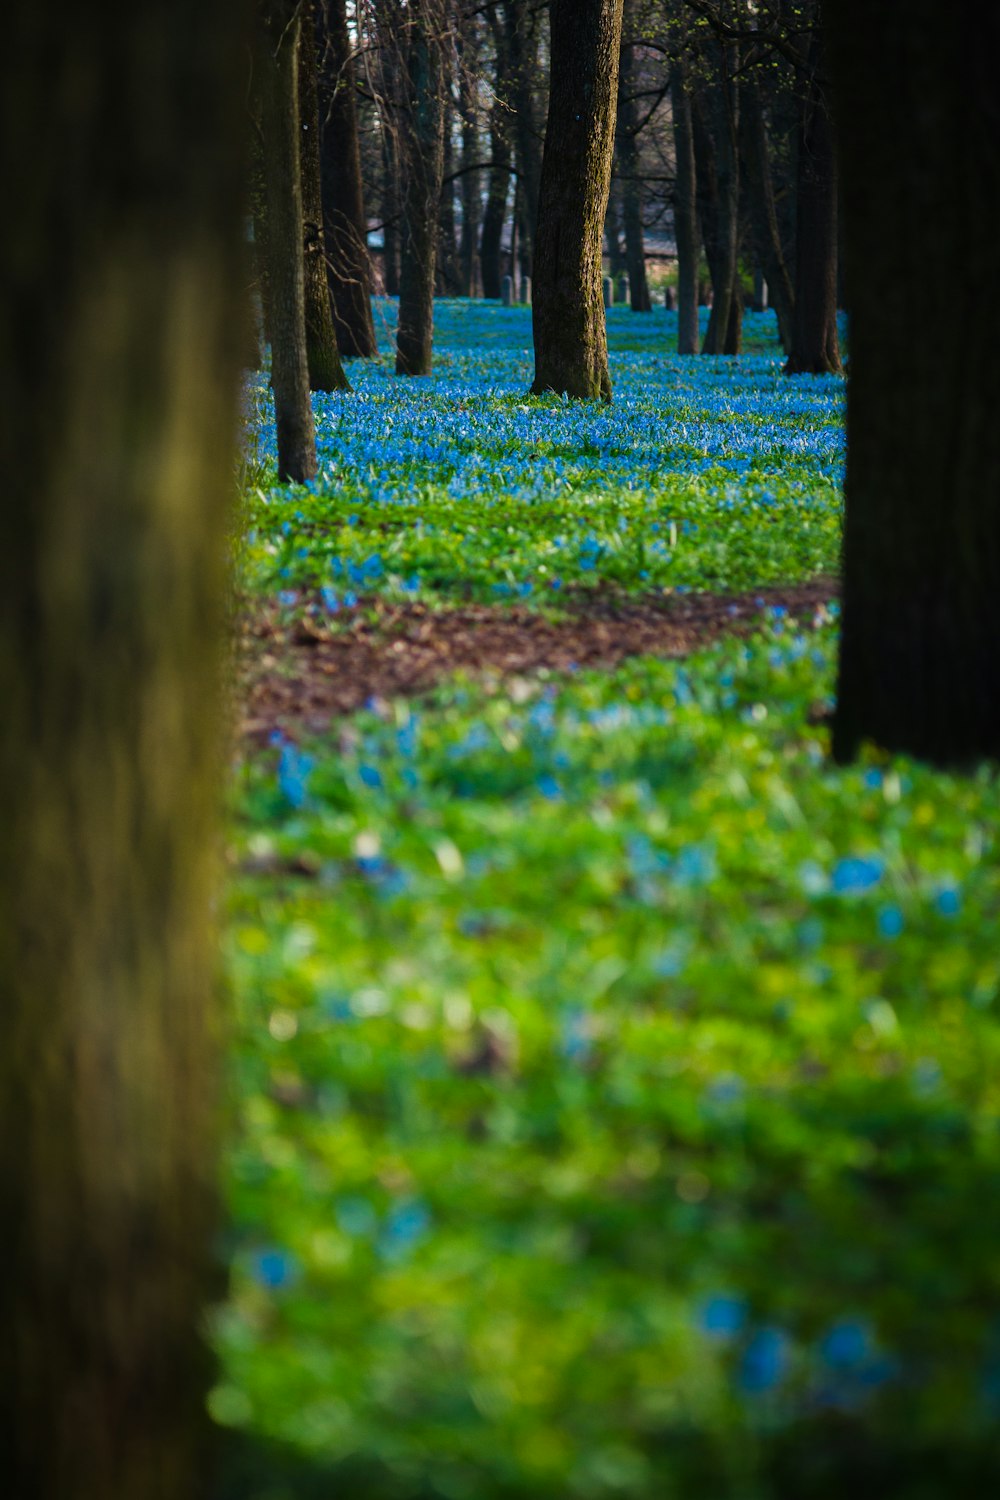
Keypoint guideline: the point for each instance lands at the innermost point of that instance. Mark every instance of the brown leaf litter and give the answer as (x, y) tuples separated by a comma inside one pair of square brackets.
[(299, 672)]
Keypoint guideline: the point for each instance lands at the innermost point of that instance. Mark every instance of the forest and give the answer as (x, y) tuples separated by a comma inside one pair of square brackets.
[(499, 815)]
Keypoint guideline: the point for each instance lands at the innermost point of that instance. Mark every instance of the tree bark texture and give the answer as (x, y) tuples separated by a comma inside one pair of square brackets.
[(326, 373), (121, 329), (630, 174), (686, 229), (716, 123), (345, 225), (571, 348), (276, 70), (421, 137), (815, 348), (919, 145), (755, 158)]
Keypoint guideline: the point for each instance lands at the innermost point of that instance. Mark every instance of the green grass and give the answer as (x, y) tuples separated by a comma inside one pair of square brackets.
[(615, 1086)]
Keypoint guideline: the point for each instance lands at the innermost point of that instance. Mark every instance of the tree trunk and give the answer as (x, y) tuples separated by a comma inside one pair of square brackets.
[(121, 335), (686, 229), (276, 70), (631, 180), (326, 373), (719, 186), (613, 232), (345, 224), (422, 160), (920, 151), (447, 258), (391, 211), (571, 347), (522, 50), (471, 186), (495, 211), (756, 160), (815, 349)]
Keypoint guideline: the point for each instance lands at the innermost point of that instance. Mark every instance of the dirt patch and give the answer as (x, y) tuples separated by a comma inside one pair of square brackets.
[(299, 674)]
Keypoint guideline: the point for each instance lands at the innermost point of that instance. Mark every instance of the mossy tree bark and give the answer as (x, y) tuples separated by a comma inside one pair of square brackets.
[(686, 227), (815, 348), (345, 226), (571, 346), (326, 373), (920, 154), (421, 139), (278, 35), (118, 371)]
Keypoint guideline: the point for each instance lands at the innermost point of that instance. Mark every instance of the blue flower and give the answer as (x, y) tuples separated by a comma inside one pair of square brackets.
[(724, 1315), (856, 875), (294, 769), (949, 901), (273, 1268), (764, 1362), (890, 921)]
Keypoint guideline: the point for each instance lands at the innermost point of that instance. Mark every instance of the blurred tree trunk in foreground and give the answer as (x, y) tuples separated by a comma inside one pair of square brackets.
[(919, 139), (326, 373), (571, 345), (815, 349), (276, 61), (420, 33), (120, 336), (345, 226)]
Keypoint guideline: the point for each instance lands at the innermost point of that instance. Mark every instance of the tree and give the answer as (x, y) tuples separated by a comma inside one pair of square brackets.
[(326, 373), (120, 335), (715, 118), (498, 190), (685, 211), (420, 30), (815, 348), (276, 55), (627, 132), (755, 158), (919, 140), (571, 347), (345, 227)]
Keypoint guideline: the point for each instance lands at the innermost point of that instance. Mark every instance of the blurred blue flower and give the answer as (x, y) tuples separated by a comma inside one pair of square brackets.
[(406, 1225), (857, 874), (764, 1361), (294, 769), (724, 1315), (273, 1268), (890, 922)]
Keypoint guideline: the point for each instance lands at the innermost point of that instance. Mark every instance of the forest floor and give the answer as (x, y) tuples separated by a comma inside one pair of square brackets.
[(615, 1085)]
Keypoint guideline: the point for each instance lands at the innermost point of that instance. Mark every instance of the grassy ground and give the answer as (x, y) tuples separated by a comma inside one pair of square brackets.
[(615, 1092)]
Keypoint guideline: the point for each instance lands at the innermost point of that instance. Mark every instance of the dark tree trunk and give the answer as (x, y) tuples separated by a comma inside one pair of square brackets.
[(495, 211), (447, 259), (121, 337), (920, 150), (756, 160), (326, 373), (422, 118), (614, 234), (815, 349), (571, 346), (276, 70), (522, 50), (345, 225), (717, 160), (686, 229), (391, 210), (471, 186), (631, 180)]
